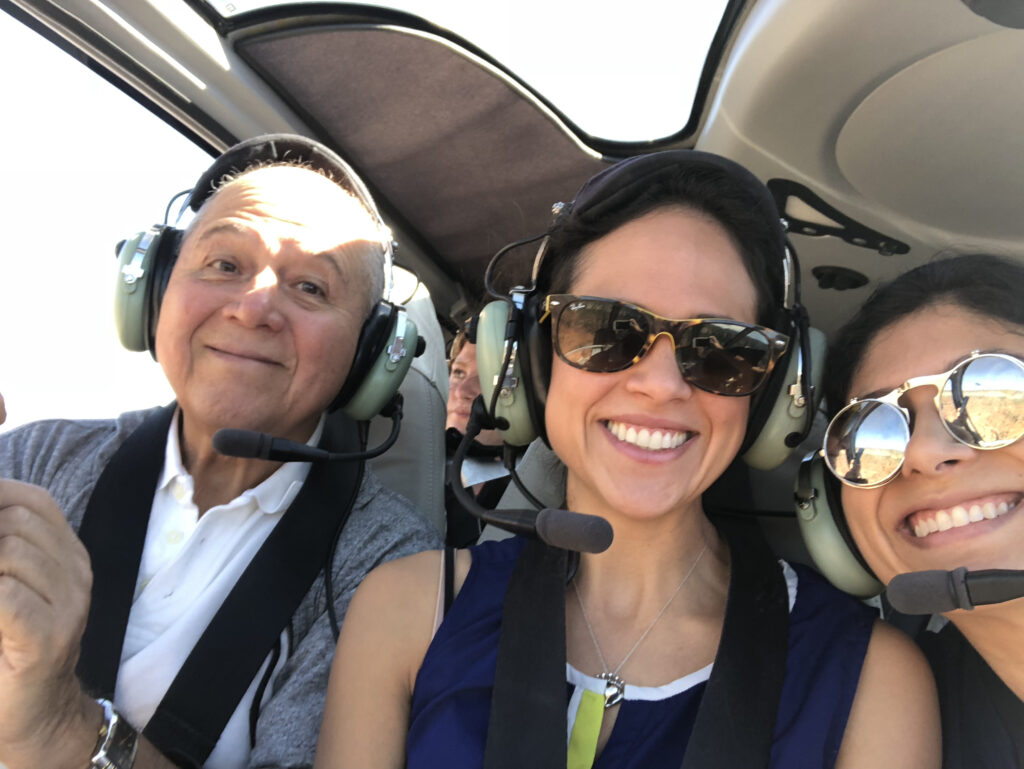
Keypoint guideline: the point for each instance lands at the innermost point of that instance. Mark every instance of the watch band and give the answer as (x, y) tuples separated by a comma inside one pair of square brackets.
[(117, 741)]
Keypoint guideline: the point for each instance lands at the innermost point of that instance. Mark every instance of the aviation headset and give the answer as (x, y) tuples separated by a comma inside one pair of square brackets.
[(515, 349), (388, 339), (823, 526)]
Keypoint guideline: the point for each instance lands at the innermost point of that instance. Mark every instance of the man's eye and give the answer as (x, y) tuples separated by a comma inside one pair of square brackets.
[(312, 289), (223, 265)]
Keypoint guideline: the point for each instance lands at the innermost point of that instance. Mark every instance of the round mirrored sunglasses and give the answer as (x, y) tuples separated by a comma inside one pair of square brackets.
[(980, 402)]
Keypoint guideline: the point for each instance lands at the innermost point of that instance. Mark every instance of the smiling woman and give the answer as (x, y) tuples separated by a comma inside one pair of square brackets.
[(950, 337), (687, 246)]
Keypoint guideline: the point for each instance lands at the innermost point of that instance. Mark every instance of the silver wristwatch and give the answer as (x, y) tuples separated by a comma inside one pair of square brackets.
[(117, 741)]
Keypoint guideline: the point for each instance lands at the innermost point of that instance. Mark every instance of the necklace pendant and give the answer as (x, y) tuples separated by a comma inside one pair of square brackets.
[(614, 689)]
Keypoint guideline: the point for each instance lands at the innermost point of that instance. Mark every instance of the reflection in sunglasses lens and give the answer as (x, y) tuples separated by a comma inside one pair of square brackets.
[(865, 443), (605, 336), (723, 358), (983, 402), (600, 336)]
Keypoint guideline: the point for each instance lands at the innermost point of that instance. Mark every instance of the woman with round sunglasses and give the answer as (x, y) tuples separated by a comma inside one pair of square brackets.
[(926, 383), (655, 320)]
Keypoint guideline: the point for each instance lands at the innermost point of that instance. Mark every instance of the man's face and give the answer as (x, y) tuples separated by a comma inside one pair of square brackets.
[(259, 323)]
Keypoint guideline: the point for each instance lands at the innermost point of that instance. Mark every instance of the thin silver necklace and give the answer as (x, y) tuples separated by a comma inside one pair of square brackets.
[(614, 686)]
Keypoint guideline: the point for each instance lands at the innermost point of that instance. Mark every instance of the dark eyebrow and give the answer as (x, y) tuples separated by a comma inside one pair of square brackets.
[(948, 367)]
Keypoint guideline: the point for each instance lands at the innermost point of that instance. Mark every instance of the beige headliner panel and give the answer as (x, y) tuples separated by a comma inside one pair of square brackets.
[(449, 142), (804, 74), (946, 118)]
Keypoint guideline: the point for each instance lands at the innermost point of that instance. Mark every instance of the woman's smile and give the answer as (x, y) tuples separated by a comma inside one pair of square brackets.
[(950, 505), (643, 441), (924, 523), (648, 438)]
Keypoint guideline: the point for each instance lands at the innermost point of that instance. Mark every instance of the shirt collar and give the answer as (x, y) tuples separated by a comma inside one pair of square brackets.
[(272, 495)]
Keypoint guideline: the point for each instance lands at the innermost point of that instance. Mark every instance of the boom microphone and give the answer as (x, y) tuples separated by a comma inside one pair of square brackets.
[(249, 444), (558, 528), (936, 591)]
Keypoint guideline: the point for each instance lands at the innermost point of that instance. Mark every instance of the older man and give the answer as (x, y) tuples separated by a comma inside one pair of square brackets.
[(140, 565)]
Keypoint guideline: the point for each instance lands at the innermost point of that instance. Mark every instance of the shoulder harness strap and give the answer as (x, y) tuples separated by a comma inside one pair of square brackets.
[(221, 667)]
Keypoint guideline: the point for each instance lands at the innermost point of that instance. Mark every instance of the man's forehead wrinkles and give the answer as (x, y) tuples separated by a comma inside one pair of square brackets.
[(222, 227), (333, 255)]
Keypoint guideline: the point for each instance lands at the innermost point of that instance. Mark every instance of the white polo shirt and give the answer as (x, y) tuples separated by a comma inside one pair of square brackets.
[(189, 565)]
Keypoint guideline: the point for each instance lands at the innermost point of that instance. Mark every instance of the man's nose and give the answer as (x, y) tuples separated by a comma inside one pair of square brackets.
[(258, 305)]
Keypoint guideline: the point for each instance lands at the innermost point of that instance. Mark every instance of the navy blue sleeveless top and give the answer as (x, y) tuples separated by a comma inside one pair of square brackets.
[(828, 637)]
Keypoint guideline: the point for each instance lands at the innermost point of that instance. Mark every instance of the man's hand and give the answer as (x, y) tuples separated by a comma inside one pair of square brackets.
[(45, 584)]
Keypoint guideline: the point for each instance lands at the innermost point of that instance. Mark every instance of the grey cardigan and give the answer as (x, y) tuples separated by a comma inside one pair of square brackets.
[(67, 457)]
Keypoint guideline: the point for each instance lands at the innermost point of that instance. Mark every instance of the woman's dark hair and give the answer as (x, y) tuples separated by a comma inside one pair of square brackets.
[(704, 183), (987, 285)]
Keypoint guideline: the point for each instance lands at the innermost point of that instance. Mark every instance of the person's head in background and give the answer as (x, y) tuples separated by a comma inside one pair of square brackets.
[(463, 387), (938, 502)]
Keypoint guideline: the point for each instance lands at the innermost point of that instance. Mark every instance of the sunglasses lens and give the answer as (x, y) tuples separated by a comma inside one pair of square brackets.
[(865, 443), (983, 402), (597, 335), (725, 358)]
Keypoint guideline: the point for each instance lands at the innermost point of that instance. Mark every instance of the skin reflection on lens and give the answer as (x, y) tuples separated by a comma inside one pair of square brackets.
[(867, 446)]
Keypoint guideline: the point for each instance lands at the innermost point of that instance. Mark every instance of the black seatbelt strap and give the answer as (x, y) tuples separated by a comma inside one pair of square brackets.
[(190, 718), (113, 531), (528, 722), (449, 578), (221, 667), (736, 718)]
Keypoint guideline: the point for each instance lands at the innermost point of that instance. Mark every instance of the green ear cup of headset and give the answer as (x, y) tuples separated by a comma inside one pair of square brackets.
[(388, 371), (134, 265), (771, 449), (825, 543), (490, 352)]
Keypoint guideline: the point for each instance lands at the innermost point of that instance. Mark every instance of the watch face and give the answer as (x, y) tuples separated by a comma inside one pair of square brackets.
[(118, 741)]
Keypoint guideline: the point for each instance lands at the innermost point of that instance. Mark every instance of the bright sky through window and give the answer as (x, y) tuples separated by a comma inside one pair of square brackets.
[(626, 76)]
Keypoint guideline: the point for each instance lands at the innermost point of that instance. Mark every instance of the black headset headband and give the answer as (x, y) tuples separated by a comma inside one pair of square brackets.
[(280, 148), (621, 184)]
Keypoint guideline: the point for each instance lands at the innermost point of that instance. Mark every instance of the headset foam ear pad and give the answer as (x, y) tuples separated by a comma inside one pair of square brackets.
[(137, 261), (770, 448), (377, 329), (823, 536), (490, 353), (385, 376)]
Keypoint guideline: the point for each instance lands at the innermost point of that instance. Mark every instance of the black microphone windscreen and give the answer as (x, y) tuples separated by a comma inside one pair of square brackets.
[(238, 443), (923, 592), (574, 531)]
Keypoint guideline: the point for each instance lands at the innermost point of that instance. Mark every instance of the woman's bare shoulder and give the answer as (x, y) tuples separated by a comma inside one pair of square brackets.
[(894, 721)]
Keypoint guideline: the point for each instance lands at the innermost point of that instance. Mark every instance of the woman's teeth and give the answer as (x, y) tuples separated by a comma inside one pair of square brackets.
[(653, 440), (924, 524)]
